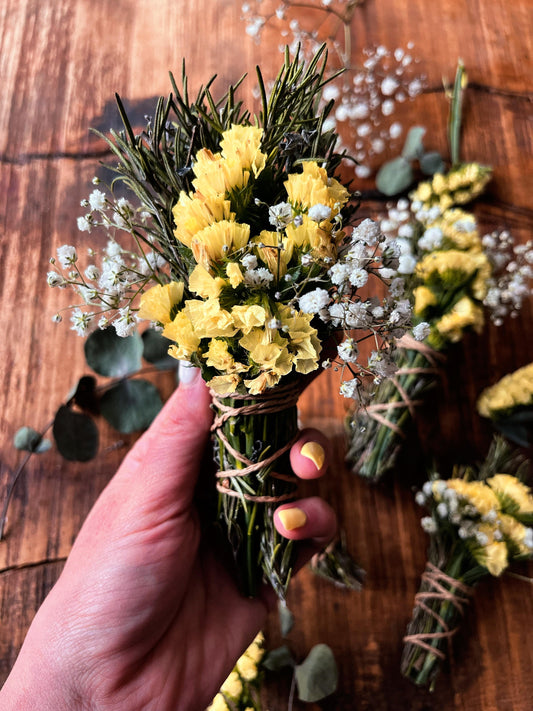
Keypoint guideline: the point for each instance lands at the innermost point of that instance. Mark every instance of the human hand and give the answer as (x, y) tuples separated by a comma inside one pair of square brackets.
[(145, 616)]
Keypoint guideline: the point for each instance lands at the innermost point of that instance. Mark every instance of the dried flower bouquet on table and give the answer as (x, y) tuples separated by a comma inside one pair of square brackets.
[(239, 248)]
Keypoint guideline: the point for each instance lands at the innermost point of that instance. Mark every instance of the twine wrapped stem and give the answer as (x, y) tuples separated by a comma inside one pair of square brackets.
[(253, 437)]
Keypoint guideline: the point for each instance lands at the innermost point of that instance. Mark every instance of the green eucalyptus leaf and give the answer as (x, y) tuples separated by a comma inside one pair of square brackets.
[(131, 405), (109, 354), (29, 440), (76, 435), (394, 177), (278, 658), (413, 146), (431, 163), (155, 350), (85, 395), (286, 619), (317, 676)]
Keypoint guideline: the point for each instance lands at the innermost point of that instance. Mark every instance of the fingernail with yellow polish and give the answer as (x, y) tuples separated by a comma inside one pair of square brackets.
[(292, 518), (314, 452)]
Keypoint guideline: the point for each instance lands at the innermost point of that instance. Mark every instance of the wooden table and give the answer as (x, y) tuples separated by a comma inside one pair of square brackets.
[(61, 63)]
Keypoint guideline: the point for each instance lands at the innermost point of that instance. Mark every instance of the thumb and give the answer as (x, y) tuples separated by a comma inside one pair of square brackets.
[(165, 461)]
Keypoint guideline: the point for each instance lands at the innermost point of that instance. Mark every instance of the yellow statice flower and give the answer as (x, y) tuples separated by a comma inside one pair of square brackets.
[(277, 252), (460, 185), (235, 275), (447, 262), (217, 176), (513, 390), (262, 382), (268, 350), (225, 384), (304, 343), (464, 314), (424, 298), (232, 687), (516, 533), (202, 283), (312, 187), (477, 493), (460, 228), (209, 319), (194, 212), (506, 487), (218, 704), (217, 241), (181, 331), (246, 672), (494, 557), (242, 144), (159, 302), (218, 356), (246, 317)]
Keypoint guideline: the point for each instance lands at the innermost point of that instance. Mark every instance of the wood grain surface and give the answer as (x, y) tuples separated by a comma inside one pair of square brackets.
[(60, 64)]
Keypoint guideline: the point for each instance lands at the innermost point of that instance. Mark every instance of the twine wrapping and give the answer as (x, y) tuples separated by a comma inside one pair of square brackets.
[(441, 588), (275, 400), (433, 357)]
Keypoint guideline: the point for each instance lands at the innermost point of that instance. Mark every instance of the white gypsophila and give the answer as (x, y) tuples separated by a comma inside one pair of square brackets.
[(405, 231), (274, 324), (358, 277), (306, 259), (258, 277), (420, 498), (367, 231), (314, 301), (113, 279), (339, 273), (528, 538), (103, 323), (356, 315), (57, 318), (428, 524), (362, 171), (54, 279), (81, 321), (113, 249), (319, 212), (337, 313), (349, 388), (442, 510), (67, 255), (348, 350), (151, 262), (126, 322), (427, 489), (397, 287), (421, 331), (358, 253), (401, 314), (97, 200), (377, 312), (382, 364), (84, 223), (465, 225), (249, 261), (92, 273), (280, 215), (431, 239), (407, 264), (87, 294)]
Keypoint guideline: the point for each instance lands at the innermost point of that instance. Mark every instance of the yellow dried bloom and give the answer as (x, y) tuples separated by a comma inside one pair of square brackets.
[(247, 317), (202, 283), (507, 486), (453, 260), (232, 687), (247, 668), (516, 532), (158, 303), (209, 319), (218, 704), (477, 493), (265, 380), (277, 253), (225, 384), (424, 297), (464, 314), (256, 650), (439, 183), (218, 356), (303, 341), (312, 187), (234, 273), (194, 212), (181, 331), (242, 144), (423, 193), (513, 390), (494, 557), (217, 241)]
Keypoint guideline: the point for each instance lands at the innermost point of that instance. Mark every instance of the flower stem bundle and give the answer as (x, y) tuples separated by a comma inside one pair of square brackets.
[(479, 522)]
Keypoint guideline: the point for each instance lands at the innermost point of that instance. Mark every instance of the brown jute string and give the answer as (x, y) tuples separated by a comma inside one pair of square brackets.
[(432, 356), (275, 400), (445, 588)]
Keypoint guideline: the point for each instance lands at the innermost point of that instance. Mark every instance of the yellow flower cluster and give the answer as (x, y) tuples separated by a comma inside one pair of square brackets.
[(499, 504), (512, 391), (453, 279), (457, 187), (234, 328), (235, 689)]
